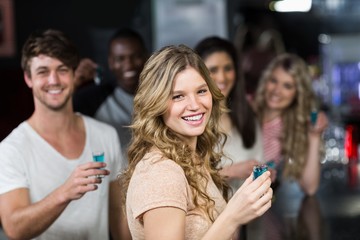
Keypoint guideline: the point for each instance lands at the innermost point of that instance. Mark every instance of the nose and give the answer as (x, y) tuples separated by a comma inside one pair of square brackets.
[(277, 88), (193, 103), (128, 63), (219, 77), (53, 78)]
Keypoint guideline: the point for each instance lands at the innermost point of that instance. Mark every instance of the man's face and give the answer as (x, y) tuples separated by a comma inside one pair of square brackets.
[(126, 60), (52, 83)]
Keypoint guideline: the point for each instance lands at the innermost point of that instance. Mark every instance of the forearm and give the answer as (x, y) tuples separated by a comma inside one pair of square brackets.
[(31, 220), (240, 170), (223, 228), (310, 178)]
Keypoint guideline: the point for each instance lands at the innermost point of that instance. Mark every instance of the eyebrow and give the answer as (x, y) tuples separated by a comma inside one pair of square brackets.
[(198, 87), (46, 67)]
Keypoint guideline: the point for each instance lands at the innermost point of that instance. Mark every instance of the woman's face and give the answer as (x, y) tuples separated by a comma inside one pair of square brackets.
[(222, 71), (190, 105), (280, 90)]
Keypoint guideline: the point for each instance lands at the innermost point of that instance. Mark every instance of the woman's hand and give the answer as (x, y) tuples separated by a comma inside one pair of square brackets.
[(251, 200), (320, 124)]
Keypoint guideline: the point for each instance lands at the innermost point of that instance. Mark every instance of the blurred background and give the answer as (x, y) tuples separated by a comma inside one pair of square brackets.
[(326, 33)]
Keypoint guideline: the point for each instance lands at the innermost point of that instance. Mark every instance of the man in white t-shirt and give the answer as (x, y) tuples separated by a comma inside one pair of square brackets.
[(49, 185)]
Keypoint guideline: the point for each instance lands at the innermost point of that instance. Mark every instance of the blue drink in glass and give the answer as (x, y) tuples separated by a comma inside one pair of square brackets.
[(98, 156), (259, 169), (313, 117)]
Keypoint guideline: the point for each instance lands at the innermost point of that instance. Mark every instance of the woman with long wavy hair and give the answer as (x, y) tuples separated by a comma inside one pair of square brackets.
[(172, 185), (284, 102)]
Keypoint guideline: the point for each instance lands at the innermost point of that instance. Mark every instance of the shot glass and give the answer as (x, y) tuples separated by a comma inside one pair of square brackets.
[(98, 156), (313, 116), (259, 169)]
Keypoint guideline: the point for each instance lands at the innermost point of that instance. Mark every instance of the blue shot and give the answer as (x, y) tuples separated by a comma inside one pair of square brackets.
[(258, 170), (99, 75), (98, 156), (271, 164), (313, 117)]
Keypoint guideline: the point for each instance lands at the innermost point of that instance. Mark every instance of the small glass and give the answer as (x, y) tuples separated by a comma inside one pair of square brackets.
[(99, 75), (98, 156), (313, 116), (259, 169)]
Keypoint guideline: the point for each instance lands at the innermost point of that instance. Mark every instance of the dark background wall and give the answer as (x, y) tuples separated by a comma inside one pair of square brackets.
[(87, 22), (90, 22)]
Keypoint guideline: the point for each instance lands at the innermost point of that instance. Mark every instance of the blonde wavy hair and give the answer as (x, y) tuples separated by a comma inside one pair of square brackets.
[(149, 130), (294, 138)]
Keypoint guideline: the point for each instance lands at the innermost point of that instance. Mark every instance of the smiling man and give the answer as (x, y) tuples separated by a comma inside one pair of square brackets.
[(48, 188), (106, 102)]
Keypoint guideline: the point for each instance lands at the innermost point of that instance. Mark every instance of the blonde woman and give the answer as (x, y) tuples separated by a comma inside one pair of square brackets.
[(284, 101), (174, 190)]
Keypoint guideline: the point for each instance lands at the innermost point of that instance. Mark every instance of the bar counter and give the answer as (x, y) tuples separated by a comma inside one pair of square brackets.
[(332, 214)]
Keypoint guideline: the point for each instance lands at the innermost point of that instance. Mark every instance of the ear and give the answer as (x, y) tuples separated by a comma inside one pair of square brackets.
[(28, 80)]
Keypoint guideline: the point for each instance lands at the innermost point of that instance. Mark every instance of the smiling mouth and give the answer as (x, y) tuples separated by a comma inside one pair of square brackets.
[(193, 118), (54, 91), (130, 74)]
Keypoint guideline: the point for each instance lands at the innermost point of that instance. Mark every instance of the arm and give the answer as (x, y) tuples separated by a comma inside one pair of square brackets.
[(164, 223), (310, 178), (22, 219), (250, 201), (118, 223), (240, 170)]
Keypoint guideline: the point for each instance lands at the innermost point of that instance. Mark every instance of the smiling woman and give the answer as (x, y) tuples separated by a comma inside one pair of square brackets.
[(284, 102), (190, 107), (173, 188)]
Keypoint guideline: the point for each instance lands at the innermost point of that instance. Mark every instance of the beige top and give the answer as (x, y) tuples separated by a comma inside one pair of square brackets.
[(160, 182)]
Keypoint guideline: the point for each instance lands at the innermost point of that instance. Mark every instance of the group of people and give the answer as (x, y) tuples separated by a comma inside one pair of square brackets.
[(179, 137)]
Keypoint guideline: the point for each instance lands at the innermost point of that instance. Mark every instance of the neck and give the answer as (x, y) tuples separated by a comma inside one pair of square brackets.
[(271, 114), (52, 122)]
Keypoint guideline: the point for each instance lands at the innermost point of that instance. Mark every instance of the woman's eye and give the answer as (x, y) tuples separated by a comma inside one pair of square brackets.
[(203, 91), (176, 97), (229, 68), (289, 86), (272, 80)]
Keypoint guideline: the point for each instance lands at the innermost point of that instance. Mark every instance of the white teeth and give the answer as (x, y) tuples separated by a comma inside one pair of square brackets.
[(54, 91), (193, 118), (130, 74)]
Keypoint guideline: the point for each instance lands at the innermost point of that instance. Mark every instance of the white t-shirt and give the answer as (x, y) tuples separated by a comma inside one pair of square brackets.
[(28, 161), (236, 152)]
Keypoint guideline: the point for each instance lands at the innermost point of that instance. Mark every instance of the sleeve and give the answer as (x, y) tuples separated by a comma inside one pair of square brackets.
[(12, 172), (161, 184)]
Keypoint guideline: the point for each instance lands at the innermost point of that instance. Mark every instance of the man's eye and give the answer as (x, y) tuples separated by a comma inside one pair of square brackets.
[(41, 73), (63, 70)]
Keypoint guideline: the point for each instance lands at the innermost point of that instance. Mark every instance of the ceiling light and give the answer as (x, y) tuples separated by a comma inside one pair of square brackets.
[(291, 5)]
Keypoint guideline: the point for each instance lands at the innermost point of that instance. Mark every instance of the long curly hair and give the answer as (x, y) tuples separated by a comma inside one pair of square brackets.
[(294, 139), (149, 130)]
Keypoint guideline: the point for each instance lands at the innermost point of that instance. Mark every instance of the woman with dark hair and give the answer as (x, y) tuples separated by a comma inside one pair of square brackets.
[(243, 148)]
